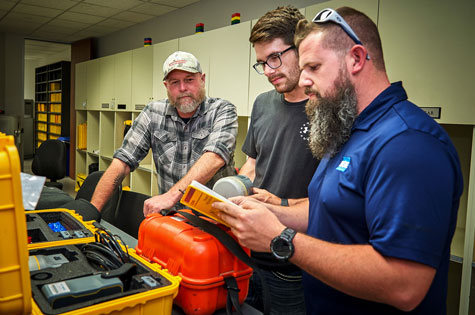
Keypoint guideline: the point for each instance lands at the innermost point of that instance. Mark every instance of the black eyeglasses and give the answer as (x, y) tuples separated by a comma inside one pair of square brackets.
[(330, 15), (273, 61)]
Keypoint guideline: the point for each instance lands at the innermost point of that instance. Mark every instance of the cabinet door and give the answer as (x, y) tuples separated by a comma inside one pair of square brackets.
[(428, 44), (106, 81), (92, 84), (123, 80), (200, 46), (161, 51), (80, 99), (229, 65), (142, 77)]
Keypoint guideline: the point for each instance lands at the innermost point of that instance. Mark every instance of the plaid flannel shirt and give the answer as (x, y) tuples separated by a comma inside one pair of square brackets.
[(177, 145)]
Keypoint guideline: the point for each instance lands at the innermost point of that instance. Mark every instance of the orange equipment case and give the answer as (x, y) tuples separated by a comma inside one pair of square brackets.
[(197, 257)]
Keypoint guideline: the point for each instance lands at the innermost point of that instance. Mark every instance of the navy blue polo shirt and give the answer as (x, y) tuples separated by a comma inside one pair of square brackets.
[(395, 185)]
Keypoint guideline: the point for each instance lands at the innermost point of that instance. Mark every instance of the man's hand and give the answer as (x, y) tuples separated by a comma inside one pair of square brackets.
[(265, 196), (160, 202), (251, 222)]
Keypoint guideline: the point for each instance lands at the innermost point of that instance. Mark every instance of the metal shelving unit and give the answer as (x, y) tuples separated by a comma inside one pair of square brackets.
[(52, 101)]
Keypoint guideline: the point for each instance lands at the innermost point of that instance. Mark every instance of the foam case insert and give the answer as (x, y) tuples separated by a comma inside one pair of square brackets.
[(78, 267), (39, 231)]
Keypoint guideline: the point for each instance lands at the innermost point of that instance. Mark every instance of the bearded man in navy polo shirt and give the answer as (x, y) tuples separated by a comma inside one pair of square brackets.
[(384, 200)]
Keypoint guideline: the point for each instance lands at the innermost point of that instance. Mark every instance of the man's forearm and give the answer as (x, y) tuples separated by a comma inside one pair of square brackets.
[(249, 169), (111, 179), (361, 271), (294, 216)]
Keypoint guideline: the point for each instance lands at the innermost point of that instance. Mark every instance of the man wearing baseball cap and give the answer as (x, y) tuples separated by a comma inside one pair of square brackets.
[(192, 137)]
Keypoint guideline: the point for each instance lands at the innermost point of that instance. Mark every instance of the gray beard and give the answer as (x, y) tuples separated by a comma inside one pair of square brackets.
[(191, 107), (187, 108), (331, 118)]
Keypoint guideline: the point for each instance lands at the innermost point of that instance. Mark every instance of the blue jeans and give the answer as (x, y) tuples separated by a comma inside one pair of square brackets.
[(286, 292)]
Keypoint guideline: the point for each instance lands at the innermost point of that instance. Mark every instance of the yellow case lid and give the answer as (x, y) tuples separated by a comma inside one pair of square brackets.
[(15, 287)]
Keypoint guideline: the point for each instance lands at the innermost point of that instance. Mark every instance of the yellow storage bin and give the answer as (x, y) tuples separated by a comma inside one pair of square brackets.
[(54, 86), (55, 118), (82, 136), (41, 136), (55, 108), (42, 127), (42, 117), (55, 97), (15, 292), (41, 107), (55, 129), (16, 279)]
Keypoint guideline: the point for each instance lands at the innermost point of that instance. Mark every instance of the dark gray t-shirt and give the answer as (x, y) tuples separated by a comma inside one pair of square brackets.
[(278, 139)]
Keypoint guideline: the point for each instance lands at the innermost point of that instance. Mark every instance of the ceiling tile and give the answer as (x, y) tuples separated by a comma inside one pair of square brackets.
[(69, 24), (95, 10), (55, 29), (46, 34), (119, 4), (89, 33), (35, 10), (55, 4), (76, 37), (45, 46), (17, 28), (133, 17), (7, 5), (79, 17), (153, 9), (25, 18), (175, 3), (101, 29), (116, 24), (36, 44), (2, 13)]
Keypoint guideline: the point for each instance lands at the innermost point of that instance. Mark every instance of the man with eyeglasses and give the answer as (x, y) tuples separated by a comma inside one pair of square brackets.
[(384, 199), (279, 162)]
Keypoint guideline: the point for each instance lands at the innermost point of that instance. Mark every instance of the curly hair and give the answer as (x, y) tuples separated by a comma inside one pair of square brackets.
[(278, 23)]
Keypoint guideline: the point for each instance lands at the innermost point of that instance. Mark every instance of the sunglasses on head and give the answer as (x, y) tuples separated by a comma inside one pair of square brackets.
[(330, 15)]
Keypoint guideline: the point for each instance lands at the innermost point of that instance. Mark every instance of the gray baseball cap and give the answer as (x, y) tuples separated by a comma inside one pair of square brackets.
[(181, 60)]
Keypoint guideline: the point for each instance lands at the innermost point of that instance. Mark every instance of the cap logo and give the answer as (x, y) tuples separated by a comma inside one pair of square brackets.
[(176, 62)]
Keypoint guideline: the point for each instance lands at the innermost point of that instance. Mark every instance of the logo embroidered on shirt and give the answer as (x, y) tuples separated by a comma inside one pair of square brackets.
[(344, 164)]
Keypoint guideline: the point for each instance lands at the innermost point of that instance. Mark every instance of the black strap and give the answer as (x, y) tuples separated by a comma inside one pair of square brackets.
[(233, 246), (233, 296), (256, 260)]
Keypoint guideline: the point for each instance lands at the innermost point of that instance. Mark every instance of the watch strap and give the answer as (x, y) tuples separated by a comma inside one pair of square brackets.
[(288, 234)]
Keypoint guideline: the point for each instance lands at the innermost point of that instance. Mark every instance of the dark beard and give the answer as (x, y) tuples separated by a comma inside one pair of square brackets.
[(331, 118)]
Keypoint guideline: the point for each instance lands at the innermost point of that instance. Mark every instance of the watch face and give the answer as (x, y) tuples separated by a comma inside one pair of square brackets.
[(281, 248)]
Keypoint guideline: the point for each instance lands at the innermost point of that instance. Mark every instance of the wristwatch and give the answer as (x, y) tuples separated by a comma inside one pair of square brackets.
[(281, 246)]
